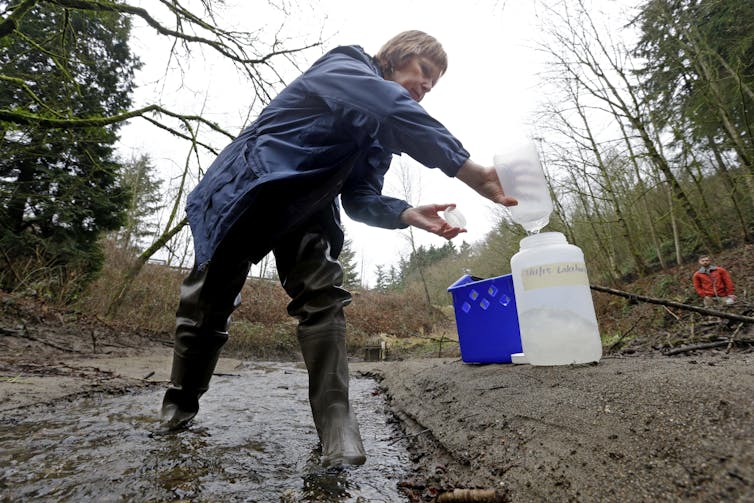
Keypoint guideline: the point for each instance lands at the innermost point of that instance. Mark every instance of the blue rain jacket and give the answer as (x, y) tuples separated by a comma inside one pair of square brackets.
[(330, 132)]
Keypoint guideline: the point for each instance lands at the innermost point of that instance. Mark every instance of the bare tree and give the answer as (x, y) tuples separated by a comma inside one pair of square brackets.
[(597, 79), (257, 55), (410, 186), (262, 56)]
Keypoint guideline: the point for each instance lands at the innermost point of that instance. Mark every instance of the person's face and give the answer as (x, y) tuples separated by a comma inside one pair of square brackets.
[(705, 261), (418, 75)]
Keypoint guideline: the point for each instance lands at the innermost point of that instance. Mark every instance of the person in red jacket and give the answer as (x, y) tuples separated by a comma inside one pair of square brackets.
[(713, 283)]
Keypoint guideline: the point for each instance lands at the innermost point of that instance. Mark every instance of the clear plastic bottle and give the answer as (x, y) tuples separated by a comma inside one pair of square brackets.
[(555, 310), (522, 177)]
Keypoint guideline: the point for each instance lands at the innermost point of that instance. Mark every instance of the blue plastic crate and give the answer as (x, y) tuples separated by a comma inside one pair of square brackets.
[(486, 319)]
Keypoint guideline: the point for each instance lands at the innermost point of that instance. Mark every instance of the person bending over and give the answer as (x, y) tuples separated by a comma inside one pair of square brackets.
[(327, 138)]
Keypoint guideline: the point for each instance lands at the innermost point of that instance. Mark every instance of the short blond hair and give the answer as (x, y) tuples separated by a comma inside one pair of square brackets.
[(411, 43)]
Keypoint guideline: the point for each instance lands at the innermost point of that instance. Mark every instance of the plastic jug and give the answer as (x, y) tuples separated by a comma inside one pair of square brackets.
[(522, 177), (556, 314)]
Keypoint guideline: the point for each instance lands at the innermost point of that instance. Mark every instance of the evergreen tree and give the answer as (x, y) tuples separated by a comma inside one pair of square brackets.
[(699, 68), (382, 281), (699, 78), (146, 200), (347, 260), (395, 280), (426, 257), (465, 249), (59, 188)]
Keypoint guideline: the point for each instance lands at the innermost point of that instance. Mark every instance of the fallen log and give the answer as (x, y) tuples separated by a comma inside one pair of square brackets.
[(670, 303), (703, 345), (472, 496), (24, 334)]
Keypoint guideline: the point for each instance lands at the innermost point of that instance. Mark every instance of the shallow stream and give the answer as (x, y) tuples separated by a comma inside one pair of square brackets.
[(253, 440)]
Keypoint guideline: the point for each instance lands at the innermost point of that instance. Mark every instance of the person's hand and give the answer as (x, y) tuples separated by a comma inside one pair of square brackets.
[(485, 181), (428, 218)]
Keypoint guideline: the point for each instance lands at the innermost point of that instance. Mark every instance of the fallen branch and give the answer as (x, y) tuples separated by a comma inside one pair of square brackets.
[(11, 332), (704, 345), (16, 378), (406, 437), (23, 334), (472, 496), (624, 335), (733, 337), (677, 318), (670, 303)]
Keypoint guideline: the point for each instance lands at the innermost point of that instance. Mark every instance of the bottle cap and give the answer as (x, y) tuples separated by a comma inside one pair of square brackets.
[(519, 358), (454, 217)]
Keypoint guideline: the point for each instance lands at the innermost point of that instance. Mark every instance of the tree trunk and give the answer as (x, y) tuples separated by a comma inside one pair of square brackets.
[(735, 196), (674, 225), (643, 191), (138, 264), (631, 240)]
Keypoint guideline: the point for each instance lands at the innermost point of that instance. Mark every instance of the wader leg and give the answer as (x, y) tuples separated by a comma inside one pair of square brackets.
[(312, 279), (208, 297)]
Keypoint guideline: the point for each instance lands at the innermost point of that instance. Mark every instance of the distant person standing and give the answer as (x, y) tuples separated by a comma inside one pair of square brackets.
[(713, 283)]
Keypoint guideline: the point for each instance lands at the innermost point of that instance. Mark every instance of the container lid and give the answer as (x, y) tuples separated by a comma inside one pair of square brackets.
[(519, 358), (454, 217)]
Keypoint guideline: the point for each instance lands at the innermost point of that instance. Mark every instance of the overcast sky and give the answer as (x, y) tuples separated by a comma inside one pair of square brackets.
[(486, 98)]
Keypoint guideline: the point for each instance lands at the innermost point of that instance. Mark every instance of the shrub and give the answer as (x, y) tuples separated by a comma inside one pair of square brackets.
[(262, 341)]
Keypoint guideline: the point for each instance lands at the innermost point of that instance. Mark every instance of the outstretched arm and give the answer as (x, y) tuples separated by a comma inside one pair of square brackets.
[(485, 181), (481, 179), (427, 218)]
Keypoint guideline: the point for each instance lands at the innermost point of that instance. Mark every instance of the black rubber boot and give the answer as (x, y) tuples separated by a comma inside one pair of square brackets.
[(312, 279), (208, 297), (194, 360), (338, 430)]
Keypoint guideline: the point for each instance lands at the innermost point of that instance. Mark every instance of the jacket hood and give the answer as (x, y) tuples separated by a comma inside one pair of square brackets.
[(707, 270)]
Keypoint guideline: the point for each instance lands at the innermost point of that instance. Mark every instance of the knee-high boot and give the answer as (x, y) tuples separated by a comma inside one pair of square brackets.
[(194, 359), (201, 331), (327, 363), (313, 282)]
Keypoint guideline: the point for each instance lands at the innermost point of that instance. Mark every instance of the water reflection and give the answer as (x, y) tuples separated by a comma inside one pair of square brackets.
[(253, 440)]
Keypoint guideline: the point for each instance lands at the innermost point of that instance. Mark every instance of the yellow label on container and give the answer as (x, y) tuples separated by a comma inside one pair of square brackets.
[(559, 274)]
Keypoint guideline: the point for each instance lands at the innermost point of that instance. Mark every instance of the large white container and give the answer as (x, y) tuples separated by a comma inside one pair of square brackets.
[(522, 177), (556, 314)]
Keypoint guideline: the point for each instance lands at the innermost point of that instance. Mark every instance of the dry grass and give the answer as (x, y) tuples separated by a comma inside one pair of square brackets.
[(261, 327), (150, 302)]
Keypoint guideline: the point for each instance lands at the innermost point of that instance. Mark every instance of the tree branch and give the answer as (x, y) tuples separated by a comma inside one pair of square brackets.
[(11, 22), (679, 305), (239, 55), (25, 118)]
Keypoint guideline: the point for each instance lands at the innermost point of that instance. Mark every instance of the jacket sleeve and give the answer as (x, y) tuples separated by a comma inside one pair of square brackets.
[(725, 277), (363, 200), (698, 284), (378, 110)]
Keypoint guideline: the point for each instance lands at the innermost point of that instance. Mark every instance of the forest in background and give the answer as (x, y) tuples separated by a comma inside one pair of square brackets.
[(645, 135)]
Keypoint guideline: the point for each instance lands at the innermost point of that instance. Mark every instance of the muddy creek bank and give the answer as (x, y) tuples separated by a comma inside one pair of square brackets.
[(644, 428)]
